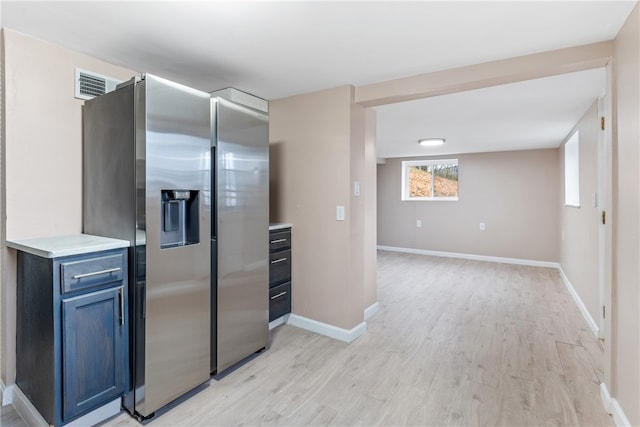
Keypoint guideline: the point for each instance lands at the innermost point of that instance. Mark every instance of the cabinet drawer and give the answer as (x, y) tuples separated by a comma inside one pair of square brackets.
[(279, 267), (279, 240), (279, 301), (91, 272)]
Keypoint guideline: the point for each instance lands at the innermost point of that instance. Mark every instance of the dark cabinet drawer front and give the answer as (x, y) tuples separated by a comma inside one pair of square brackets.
[(279, 301), (91, 272), (279, 240), (279, 267)]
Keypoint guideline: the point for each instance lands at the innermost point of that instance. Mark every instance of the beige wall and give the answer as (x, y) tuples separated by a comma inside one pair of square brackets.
[(43, 147), (318, 147), (514, 193), (44, 136), (4, 333), (626, 294), (579, 249)]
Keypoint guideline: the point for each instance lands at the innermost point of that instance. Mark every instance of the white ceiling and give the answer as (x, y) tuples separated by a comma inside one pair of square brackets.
[(277, 49), (527, 115)]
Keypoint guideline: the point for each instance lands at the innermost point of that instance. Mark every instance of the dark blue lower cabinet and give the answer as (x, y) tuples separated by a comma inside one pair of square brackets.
[(71, 332), (93, 351)]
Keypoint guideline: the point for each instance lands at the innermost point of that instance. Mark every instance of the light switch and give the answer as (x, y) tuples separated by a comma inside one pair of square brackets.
[(482, 227), (419, 223), (339, 213), (356, 188)]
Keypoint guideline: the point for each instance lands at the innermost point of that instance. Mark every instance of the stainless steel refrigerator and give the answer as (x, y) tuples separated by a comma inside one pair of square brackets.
[(147, 179), (240, 232)]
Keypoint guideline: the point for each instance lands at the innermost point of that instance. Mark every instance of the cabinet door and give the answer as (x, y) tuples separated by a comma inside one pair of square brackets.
[(93, 347)]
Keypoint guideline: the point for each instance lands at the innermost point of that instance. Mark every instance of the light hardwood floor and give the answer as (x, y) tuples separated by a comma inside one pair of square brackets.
[(455, 342), (9, 417)]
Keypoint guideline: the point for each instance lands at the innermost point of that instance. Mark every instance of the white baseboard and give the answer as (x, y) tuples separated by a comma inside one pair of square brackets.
[(502, 260), (613, 407), (27, 411), (346, 335), (371, 310), (583, 309), (6, 393), (32, 417), (279, 321)]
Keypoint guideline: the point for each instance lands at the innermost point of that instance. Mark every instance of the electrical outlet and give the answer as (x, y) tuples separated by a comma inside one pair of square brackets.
[(482, 227)]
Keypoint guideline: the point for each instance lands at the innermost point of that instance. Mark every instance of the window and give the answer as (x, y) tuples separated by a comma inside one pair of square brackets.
[(572, 171), (430, 179)]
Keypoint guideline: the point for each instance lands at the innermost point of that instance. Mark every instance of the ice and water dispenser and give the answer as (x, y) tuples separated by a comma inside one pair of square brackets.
[(180, 218)]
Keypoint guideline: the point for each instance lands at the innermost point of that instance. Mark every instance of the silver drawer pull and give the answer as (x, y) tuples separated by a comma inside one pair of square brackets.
[(278, 241), (279, 295), (276, 261), (95, 273)]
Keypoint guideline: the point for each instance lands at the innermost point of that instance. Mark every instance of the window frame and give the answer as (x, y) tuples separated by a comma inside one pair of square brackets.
[(405, 180)]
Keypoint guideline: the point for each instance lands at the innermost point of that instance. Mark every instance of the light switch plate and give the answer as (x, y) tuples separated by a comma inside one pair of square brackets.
[(339, 213)]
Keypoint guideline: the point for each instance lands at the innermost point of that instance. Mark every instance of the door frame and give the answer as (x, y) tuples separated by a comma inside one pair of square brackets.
[(605, 199), (608, 177), (602, 198)]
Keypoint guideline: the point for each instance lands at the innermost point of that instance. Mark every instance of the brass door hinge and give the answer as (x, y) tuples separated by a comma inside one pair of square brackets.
[(604, 217), (602, 123)]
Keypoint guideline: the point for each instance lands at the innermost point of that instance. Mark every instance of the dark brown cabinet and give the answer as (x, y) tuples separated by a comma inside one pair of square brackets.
[(279, 272)]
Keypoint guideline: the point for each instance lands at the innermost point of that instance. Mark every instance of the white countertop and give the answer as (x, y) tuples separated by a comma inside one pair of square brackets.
[(279, 226), (75, 244)]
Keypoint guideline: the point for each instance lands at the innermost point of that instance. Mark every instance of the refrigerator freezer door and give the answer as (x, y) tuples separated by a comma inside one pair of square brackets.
[(173, 148), (243, 231)]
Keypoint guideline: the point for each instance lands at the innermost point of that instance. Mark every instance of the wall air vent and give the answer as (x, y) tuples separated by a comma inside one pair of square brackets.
[(89, 84)]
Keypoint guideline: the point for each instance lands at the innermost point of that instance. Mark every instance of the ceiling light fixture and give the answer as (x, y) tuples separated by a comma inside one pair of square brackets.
[(431, 142)]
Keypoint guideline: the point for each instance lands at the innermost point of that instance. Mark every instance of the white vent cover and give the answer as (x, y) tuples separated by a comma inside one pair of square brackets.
[(89, 84)]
